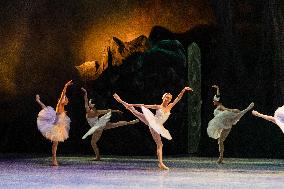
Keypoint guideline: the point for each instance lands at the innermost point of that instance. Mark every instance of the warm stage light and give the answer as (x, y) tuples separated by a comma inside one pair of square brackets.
[(130, 22)]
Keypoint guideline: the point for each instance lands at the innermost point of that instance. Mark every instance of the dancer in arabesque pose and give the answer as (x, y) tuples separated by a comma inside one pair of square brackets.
[(99, 120), (155, 122), (224, 118)]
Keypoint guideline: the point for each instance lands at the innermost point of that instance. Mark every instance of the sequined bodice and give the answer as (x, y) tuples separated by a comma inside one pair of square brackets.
[(161, 116), (217, 111)]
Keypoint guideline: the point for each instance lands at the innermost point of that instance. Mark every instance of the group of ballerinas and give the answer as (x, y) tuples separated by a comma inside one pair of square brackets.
[(55, 124)]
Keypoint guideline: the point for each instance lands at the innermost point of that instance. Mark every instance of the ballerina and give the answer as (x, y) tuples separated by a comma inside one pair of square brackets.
[(224, 118), (277, 119), (54, 124), (99, 124), (155, 122)]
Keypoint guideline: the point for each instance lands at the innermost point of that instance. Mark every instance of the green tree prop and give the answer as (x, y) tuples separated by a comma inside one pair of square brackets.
[(194, 99)]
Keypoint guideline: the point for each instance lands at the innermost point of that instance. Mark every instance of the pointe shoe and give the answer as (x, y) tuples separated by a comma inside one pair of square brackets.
[(251, 106), (37, 98), (117, 98), (220, 161), (163, 167), (55, 163), (97, 159), (255, 113)]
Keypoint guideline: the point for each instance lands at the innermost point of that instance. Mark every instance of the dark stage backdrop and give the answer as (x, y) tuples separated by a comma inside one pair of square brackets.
[(241, 44)]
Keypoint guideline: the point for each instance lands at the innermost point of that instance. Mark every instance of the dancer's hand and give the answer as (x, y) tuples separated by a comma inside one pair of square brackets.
[(84, 90), (69, 83), (37, 98), (188, 89), (215, 86)]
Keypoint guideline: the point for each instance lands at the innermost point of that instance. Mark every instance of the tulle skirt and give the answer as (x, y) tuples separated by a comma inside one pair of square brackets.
[(97, 124), (279, 117), (224, 120), (156, 123), (53, 126)]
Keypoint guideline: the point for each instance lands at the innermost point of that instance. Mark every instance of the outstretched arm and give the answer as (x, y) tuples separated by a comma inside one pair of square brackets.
[(221, 107), (152, 106), (39, 102), (217, 90), (86, 100), (180, 96), (63, 93), (136, 105)]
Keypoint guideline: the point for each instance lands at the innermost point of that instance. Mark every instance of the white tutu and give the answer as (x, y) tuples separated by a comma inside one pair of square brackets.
[(53, 126), (224, 120), (156, 121), (279, 117), (97, 123)]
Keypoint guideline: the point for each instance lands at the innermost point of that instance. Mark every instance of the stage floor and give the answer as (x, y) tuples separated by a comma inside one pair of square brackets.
[(139, 172)]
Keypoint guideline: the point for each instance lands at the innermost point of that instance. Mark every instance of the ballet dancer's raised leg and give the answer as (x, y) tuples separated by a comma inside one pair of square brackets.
[(39, 102), (263, 116), (156, 136), (111, 125), (138, 114)]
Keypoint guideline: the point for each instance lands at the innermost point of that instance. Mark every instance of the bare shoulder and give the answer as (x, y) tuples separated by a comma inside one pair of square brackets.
[(93, 114), (221, 107)]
